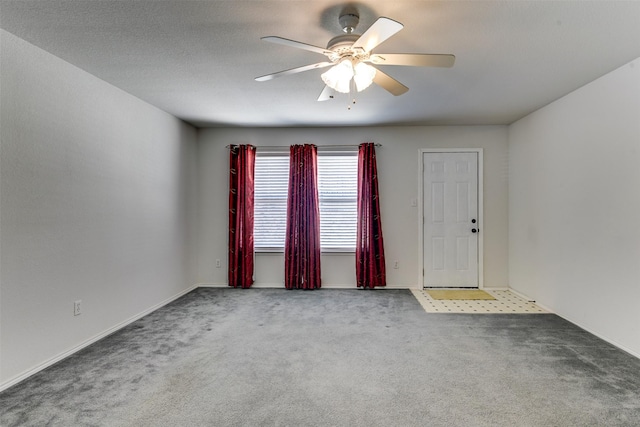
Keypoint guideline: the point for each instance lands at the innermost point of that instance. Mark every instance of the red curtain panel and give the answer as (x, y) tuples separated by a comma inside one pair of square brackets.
[(370, 267), (302, 239), (241, 170)]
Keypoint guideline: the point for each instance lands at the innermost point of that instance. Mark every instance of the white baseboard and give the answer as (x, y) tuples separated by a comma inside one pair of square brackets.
[(254, 286), (26, 374), (568, 319), (610, 341), (212, 285), (281, 286)]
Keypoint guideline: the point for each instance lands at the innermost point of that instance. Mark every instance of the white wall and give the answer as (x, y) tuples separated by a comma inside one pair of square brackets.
[(97, 203), (574, 206), (398, 168)]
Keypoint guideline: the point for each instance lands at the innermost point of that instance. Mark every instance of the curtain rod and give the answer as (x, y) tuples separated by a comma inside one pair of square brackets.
[(271, 147)]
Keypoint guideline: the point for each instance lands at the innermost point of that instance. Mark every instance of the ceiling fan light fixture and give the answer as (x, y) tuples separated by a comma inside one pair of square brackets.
[(363, 75), (339, 76)]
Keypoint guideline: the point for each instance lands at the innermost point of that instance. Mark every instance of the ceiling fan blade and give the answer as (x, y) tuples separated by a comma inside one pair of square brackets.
[(299, 45), (413, 59), (326, 94), (293, 71), (381, 30), (389, 83)]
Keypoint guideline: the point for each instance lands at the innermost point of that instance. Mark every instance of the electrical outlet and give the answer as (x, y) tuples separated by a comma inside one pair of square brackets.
[(218, 263), (395, 265), (77, 308)]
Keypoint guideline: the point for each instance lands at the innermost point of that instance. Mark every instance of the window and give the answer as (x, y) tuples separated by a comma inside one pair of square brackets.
[(337, 190), (271, 178)]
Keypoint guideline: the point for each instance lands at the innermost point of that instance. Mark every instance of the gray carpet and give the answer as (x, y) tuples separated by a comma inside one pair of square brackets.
[(270, 357)]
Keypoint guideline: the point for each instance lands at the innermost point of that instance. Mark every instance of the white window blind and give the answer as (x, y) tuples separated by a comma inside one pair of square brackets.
[(271, 180), (337, 189)]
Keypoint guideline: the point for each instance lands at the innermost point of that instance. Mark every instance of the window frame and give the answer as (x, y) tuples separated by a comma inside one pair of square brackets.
[(334, 152)]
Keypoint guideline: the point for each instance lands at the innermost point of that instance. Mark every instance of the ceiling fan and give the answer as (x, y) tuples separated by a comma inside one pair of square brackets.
[(350, 56)]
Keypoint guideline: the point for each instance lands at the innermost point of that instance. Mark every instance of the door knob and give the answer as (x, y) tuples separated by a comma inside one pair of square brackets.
[(473, 221), (473, 230)]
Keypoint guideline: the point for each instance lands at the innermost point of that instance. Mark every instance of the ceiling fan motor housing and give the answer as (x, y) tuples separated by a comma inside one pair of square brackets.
[(342, 47)]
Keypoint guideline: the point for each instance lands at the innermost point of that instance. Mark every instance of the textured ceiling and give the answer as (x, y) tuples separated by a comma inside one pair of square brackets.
[(198, 59)]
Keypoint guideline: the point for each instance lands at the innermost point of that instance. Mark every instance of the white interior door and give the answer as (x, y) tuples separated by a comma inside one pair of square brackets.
[(450, 186)]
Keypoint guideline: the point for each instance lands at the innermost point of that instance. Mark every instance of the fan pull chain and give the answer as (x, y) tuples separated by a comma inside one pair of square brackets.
[(352, 94)]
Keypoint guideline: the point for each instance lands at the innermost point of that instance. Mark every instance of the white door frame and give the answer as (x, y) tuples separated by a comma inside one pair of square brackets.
[(480, 209)]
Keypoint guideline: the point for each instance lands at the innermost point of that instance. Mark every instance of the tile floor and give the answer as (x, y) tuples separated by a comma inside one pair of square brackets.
[(506, 302)]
